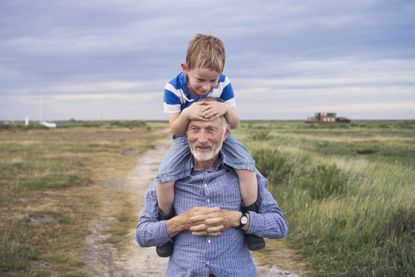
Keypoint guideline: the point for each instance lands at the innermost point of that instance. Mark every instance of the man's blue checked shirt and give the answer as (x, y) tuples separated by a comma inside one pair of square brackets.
[(225, 255)]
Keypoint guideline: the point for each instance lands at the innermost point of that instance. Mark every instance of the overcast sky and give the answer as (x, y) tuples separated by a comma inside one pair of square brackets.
[(110, 59)]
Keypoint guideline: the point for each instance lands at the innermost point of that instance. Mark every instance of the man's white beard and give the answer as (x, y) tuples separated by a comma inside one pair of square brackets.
[(205, 156)]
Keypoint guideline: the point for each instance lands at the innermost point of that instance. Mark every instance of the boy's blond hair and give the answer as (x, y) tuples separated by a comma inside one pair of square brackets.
[(206, 51)]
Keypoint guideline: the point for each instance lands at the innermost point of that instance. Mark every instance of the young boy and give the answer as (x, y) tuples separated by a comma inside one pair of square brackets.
[(201, 78)]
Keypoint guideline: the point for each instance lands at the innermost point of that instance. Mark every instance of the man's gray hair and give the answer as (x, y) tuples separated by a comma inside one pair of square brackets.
[(224, 123)]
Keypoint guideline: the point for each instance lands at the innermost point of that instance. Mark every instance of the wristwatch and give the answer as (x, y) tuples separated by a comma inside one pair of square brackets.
[(243, 221)]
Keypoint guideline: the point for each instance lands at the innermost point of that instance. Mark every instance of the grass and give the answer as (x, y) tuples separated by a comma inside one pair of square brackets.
[(52, 184), (123, 204), (347, 192)]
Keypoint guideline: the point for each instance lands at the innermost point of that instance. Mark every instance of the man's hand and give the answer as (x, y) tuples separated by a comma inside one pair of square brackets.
[(185, 221), (203, 221), (212, 223)]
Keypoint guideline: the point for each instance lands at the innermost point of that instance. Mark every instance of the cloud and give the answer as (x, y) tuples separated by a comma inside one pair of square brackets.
[(115, 56)]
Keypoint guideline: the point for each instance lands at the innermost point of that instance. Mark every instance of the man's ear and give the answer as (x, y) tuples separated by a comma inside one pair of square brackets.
[(227, 132)]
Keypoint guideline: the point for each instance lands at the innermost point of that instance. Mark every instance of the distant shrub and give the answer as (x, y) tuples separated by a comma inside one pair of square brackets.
[(323, 181), (264, 134), (366, 151), (403, 224), (273, 165), (410, 124), (128, 124)]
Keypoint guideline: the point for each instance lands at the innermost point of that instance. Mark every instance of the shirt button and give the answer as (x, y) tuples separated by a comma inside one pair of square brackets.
[(209, 241), (207, 262), (205, 185), (208, 200)]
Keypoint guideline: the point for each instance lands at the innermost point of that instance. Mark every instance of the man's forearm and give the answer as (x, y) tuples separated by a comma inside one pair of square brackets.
[(177, 225)]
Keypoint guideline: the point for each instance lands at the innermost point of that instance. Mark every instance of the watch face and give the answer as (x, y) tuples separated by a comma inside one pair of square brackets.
[(244, 220)]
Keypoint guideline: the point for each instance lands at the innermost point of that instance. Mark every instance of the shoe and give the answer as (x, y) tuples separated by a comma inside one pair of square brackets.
[(253, 242), (165, 250)]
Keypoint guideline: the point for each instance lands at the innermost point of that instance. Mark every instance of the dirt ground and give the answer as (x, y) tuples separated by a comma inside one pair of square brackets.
[(101, 258)]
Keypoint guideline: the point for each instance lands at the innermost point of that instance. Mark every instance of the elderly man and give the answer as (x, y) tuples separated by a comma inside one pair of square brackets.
[(208, 229)]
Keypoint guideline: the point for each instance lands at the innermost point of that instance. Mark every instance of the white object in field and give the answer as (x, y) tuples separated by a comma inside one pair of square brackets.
[(48, 124)]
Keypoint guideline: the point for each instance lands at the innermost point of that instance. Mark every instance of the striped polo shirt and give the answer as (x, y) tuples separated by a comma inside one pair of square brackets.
[(177, 95)]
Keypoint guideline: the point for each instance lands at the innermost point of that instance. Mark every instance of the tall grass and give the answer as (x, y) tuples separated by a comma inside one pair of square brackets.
[(350, 213), (52, 184)]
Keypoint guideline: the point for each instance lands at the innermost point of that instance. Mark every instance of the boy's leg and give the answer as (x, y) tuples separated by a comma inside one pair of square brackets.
[(165, 199), (165, 196), (249, 193), (248, 186)]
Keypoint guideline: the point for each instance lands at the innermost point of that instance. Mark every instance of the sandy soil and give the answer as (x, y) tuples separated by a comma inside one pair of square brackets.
[(101, 258)]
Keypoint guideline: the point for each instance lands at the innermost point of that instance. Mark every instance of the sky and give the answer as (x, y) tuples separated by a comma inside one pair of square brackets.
[(286, 59)]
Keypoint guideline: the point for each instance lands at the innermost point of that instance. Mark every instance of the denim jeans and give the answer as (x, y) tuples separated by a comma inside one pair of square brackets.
[(176, 165)]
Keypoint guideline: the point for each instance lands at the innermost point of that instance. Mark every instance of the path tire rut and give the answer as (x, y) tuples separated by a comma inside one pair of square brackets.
[(101, 258)]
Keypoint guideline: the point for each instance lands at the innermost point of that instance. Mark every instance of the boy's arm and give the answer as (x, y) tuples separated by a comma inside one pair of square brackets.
[(232, 116), (178, 123)]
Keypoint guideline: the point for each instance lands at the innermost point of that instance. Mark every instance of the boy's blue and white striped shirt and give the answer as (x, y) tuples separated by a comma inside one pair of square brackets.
[(177, 96)]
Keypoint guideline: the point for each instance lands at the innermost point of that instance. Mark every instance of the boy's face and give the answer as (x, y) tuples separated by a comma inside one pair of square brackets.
[(200, 81)]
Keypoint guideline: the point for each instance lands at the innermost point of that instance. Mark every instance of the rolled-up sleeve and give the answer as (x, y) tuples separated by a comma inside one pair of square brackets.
[(150, 231), (269, 221)]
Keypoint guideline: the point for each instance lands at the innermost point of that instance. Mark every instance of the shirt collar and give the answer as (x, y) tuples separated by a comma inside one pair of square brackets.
[(218, 165), (183, 81)]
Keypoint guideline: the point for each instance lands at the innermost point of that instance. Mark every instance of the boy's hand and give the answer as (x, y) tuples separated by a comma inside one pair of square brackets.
[(195, 112), (213, 109)]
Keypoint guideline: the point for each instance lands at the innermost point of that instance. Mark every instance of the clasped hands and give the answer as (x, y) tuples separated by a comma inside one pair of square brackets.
[(207, 110), (205, 221)]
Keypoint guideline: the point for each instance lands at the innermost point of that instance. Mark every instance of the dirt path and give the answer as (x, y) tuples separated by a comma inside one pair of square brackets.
[(101, 258)]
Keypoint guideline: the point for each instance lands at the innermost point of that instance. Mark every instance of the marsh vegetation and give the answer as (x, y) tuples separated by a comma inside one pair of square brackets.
[(347, 192), (52, 185)]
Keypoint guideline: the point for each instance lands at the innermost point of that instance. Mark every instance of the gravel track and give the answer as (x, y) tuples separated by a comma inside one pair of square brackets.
[(101, 258)]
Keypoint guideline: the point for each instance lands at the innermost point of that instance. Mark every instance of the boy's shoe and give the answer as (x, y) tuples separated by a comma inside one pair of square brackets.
[(253, 242), (165, 250)]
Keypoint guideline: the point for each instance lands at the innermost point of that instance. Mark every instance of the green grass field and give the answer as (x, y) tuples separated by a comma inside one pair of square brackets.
[(52, 184), (348, 192)]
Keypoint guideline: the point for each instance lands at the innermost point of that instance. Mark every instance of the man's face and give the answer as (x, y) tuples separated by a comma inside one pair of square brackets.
[(205, 138)]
